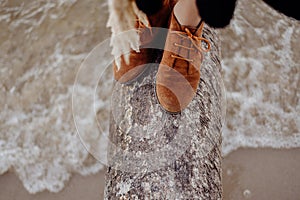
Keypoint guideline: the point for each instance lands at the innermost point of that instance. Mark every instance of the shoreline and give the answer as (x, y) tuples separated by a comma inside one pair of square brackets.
[(247, 174)]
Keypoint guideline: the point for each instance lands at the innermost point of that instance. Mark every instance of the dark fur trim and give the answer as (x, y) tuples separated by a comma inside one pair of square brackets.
[(216, 13), (149, 7), (289, 8)]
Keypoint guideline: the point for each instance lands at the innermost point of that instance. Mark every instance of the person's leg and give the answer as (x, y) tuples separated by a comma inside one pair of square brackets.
[(186, 12), (158, 12)]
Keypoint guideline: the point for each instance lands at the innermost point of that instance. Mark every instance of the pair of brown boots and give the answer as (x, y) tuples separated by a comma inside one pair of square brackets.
[(178, 74)]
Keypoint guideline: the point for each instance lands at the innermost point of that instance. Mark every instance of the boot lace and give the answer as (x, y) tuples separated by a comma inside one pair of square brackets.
[(187, 34)]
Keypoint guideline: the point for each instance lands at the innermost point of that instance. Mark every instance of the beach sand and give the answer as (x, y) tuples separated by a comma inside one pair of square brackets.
[(262, 173)]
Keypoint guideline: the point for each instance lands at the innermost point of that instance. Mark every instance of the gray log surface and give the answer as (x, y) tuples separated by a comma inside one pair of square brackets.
[(157, 155)]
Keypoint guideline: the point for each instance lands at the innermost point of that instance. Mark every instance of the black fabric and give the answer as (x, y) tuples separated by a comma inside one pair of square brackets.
[(216, 13), (289, 8), (149, 7)]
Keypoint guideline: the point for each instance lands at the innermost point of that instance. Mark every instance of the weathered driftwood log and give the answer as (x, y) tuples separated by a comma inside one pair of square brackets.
[(157, 155)]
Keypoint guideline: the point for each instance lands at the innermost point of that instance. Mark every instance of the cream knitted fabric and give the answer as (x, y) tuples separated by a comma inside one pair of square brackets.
[(122, 18)]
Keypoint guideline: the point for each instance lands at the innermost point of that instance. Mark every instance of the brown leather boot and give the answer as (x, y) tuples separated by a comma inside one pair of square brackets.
[(178, 75), (138, 60)]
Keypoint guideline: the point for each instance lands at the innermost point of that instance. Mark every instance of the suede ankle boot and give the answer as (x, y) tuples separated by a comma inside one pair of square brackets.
[(138, 60), (178, 74)]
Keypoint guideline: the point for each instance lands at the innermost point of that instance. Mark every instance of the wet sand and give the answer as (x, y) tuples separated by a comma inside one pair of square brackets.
[(262, 174), (247, 174)]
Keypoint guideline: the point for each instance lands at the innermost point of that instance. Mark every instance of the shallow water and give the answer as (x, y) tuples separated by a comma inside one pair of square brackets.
[(43, 44), (261, 73)]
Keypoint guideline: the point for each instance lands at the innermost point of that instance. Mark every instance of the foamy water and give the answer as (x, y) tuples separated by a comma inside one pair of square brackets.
[(261, 73), (44, 43)]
